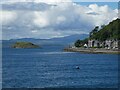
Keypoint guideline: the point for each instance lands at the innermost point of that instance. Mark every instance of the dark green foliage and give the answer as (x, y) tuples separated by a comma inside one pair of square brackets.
[(110, 31), (102, 26), (94, 31), (80, 43), (77, 43), (24, 45)]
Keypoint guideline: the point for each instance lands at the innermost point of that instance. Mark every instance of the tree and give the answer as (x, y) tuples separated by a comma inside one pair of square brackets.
[(110, 31), (94, 31), (77, 43), (102, 26), (80, 43)]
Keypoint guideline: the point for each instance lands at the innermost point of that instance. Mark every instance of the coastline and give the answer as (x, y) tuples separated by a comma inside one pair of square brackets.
[(93, 50)]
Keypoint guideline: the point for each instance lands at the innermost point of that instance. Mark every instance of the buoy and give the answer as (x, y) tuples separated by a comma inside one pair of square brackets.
[(77, 67)]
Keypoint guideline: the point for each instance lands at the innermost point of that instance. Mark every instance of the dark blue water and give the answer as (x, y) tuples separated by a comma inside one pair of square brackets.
[(49, 66)]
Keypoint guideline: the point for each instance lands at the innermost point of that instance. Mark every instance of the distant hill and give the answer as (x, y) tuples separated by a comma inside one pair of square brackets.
[(110, 31), (71, 38), (53, 41)]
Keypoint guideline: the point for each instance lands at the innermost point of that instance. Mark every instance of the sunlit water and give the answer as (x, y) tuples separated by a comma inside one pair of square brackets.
[(49, 66)]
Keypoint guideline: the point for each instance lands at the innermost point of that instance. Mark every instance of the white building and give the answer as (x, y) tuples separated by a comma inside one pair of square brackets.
[(109, 44), (93, 43)]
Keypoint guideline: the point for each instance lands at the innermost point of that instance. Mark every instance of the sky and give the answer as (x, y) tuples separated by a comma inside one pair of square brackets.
[(113, 5), (44, 19)]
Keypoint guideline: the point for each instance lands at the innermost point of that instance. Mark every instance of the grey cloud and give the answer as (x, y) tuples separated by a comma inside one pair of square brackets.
[(48, 21), (26, 6), (93, 13)]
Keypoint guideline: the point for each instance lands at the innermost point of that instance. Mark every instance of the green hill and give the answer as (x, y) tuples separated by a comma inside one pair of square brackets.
[(107, 32), (24, 45), (110, 31)]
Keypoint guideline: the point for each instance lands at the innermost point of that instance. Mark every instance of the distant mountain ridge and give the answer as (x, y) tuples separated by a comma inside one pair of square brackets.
[(53, 41)]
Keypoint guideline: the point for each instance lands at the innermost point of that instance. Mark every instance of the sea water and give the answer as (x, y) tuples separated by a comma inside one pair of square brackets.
[(50, 66)]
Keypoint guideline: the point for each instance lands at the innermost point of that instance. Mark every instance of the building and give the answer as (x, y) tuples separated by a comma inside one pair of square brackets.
[(93, 43), (108, 44), (116, 44), (85, 45)]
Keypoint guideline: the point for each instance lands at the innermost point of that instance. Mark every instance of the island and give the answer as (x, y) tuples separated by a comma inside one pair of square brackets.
[(104, 39), (24, 45)]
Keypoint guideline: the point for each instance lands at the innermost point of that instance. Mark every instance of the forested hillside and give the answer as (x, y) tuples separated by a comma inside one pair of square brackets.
[(106, 32), (110, 31)]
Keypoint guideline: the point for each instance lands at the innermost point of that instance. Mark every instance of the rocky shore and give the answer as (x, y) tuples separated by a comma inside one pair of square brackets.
[(93, 50)]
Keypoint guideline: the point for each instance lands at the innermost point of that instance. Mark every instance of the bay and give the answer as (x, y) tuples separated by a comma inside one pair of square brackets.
[(50, 66)]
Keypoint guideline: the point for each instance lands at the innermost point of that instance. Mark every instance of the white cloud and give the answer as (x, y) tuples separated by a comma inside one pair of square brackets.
[(104, 14), (36, 1), (41, 19), (7, 17), (67, 14), (52, 1), (60, 19), (56, 21)]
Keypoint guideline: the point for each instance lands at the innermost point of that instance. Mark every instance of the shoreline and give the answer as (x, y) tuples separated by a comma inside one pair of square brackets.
[(93, 50)]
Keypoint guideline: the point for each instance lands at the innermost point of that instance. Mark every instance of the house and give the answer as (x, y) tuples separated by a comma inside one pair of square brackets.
[(116, 44), (108, 44), (90, 43), (96, 43), (85, 45), (93, 43)]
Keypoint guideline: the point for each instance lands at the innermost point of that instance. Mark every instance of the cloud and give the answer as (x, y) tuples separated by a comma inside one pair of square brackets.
[(36, 1), (104, 14), (7, 17), (75, 16), (41, 19), (55, 21)]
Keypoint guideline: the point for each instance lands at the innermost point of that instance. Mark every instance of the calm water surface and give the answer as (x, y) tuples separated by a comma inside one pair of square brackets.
[(49, 66)]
